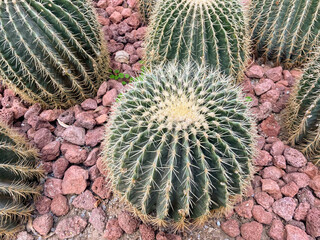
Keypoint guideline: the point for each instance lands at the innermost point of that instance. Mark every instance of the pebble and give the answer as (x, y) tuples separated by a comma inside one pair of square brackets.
[(277, 231), (70, 227), (75, 135), (59, 205), (284, 207), (231, 228), (146, 232), (251, 230), (113, 231), (43, 224), (127, 222), (295, 233), (85, 200), (74, 180)]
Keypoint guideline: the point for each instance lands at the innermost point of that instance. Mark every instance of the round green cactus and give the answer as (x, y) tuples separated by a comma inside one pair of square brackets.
[(179, 145), (302, 114), (51, 52), (285, 31), (19, 177), (209, 32)]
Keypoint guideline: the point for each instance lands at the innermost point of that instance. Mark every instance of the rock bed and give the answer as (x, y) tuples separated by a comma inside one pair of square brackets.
[(282, 203)]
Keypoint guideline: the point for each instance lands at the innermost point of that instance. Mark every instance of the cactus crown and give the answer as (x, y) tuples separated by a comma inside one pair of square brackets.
[(18, 180), (179, 145), (51, 52), (209, 32), (285, 31), (303, 115)]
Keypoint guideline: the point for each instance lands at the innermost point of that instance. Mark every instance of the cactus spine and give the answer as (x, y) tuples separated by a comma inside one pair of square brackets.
[(209, 32), (51, 52), (145, 8), (179, 145), (285, 31), (18, 181), (303, 112)]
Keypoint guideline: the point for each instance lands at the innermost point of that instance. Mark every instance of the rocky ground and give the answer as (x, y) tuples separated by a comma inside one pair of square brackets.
[(76, 203)]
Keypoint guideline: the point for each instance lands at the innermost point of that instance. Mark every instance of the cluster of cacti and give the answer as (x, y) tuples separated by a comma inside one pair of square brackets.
[(209, 32), (179, 145), (303, 112), (51, 52), (285, 31), (145, 8), (18, 181)]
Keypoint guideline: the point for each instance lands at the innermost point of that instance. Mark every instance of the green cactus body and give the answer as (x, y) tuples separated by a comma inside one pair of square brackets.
[(18, 181), (209, 32), (303, 112), (285, 31), (179, 145), (145, 8), (51, 51)]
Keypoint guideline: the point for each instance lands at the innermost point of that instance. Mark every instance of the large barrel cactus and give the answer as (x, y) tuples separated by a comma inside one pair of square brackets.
[(18, 181), (210, 32), (51, 51), (145, 8), (303, 112), (285, 31), (179, 145)]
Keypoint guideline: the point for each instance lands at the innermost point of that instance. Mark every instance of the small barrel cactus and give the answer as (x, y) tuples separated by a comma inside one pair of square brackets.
[(18, 181), (179, 145), (209, 32), (303, 112), (145, 8), (285, 31), (51, 52)]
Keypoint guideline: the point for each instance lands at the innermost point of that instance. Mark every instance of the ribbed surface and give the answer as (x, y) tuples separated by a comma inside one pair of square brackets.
[(18, 180), (179, 144), (51, 50), (211, 32), (303, 112), (145, 8), (285, 31)]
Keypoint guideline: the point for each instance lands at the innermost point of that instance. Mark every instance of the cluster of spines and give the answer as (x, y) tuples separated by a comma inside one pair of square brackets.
[(179, 145), (51, 52), (303, 112), (285, 31), (19, 177), (145, 8), (209, 32)]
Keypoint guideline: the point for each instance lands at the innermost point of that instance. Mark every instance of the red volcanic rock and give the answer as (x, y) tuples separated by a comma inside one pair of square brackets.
[(50, 115), (315, 183), (310, 169), (264, 199), (277, 148), (231, 227), (85, 200), (75, 180), (42, 137), (128, 223), (59, 167), (301, 179), (92, 157), (313, 222), (43, 205), (264, 159), (24, 235), (59, 205), (97, 219), (75, 154), (70, 227), (280, 161), (301, 211), (275, 74), (270, 127), (101, 188), (146, 232), (52, 187), (109, 97), (95, 136), (85, 120), (251, 230), (295, 233), (89, 104), (43, 224), (294, 157), (75, 135), (290, 189), (284, 207), (255, 71), (270, 186), (272, 172), (244, 209), (113, 230), (50, 151), (277, 231), (261, 215)]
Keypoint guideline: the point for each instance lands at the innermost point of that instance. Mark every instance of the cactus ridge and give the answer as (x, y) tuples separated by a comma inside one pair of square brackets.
[(285, 31), (51, 52), (179, 145), (145, 8), (209, 32), (18, 181), (303, 112)]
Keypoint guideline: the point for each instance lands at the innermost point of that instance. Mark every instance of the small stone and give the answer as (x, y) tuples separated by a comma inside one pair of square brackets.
[(264, 159), (43, 224), (115, 17), (310, 169), (263, 86), (305, 195), (59, 205), (294, 157), (313, 222), (251, 230), (270, 186), (85, 200), (146, 232), (315, 183), (277, 148), (50, 151), (280, 162), (272, 172), (255, 71), (101, 119), (59, 167), (42, 137), (92, 157), (43, 205), (97, 219), (128, 223), (301, 179), (284, 207), (70, 227), (94, 173), (277, 231), (231, 228), (95, 136), (134, 20), (290, 189), (101, 188), (275, 74), (264, 199), (74, 181), (295, 233), (52, 187), (75, 135), (102, 4), (301, 211), (75, 154), (34, 110), (85, 120), (67, 117), (271, 96), (89, 104), (50, 115), (270, 127), (109, 97), (244, 209), (24, 235), (261, 215), (113, 230)]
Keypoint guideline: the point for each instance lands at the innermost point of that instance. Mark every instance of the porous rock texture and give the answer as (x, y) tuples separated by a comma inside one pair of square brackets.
[(283, 200)]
